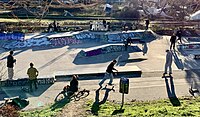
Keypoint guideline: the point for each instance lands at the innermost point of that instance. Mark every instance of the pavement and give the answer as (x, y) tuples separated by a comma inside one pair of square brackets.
[(150, 86)]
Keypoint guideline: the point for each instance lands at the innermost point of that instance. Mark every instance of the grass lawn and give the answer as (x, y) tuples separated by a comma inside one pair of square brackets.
[(173, 107), (48, 111), (186, 106)]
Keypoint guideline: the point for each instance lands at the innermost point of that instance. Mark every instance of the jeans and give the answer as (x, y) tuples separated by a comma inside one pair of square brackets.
[(10, 73), (107, 75), (170, 68), (31, 82)]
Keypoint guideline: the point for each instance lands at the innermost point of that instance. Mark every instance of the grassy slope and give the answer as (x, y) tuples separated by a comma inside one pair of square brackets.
[(187, 107)]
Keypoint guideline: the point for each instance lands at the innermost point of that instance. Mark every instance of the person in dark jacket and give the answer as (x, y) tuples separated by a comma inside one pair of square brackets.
[(109, 73), (10, 65), (173, 41), (73, 87), (179, 35), (74, 84), (147, 24)]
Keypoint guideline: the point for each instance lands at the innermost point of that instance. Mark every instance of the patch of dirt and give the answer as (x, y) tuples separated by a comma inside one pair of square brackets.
[(75, 109)]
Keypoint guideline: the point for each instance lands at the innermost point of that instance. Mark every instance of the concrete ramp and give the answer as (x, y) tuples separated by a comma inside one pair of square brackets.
[(98, 73)]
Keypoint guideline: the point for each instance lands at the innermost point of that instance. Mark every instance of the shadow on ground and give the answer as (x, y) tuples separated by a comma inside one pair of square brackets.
[(171, 91), (7, 92), (96, 105)]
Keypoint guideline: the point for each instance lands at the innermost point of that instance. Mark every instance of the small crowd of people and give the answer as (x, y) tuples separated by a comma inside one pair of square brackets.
[(177, 36), (174, 38), (100, 26), (54, 27), (33, 73)]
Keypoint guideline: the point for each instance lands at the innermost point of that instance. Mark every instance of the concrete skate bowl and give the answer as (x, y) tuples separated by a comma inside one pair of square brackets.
[(104, 54)]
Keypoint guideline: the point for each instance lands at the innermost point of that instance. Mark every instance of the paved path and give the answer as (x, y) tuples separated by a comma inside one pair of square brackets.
[(52, 60), (144, 88)]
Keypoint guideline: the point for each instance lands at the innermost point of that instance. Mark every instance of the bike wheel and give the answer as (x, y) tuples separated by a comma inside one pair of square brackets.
[(60, 97), (83, 94)]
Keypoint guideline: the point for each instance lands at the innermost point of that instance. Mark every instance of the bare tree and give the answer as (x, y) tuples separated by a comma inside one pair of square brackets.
[(40, 8), (178, 9)]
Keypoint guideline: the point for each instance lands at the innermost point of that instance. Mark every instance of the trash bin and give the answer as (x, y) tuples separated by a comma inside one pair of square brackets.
[(124, 85)]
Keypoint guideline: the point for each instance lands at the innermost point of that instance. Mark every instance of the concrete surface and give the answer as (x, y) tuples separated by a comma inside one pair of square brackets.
[(150, 86)]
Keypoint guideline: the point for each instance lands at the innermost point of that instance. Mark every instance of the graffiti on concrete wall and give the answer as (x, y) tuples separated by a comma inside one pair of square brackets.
[(27, 43), (24, 82), (108, 49), (41, 42), (12, 36), (113, 48), (61, 41), (120, 37), (94, 52), (87, 36), (192, 46)]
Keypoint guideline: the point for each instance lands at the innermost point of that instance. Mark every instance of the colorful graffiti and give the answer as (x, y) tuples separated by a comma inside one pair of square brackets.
[(107, 49), (61, 41), (120, 37), (85, 35), (12, 36), (27, 43), (192, 46), (23, 82)]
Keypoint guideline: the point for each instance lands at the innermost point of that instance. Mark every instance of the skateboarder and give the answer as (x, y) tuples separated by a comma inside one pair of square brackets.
[(109, 73), (168, 63)]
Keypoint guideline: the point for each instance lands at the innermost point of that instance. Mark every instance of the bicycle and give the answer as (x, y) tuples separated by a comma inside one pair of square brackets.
[(64, 94)]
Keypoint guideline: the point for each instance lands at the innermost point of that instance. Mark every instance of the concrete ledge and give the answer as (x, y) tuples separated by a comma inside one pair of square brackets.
[(88, 74), (24, 82)]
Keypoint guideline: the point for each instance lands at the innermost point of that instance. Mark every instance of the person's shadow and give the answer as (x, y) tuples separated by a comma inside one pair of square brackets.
[(96, 105), (178, 61), (171, 92)]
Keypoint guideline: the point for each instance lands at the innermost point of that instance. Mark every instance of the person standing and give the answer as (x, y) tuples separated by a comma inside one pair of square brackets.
[(104, 23), (109, 73), (55, 26), (32, 74), (179, 35), (147, 24), (10, 65), (125, 44), (168, 63), (173, 41)]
